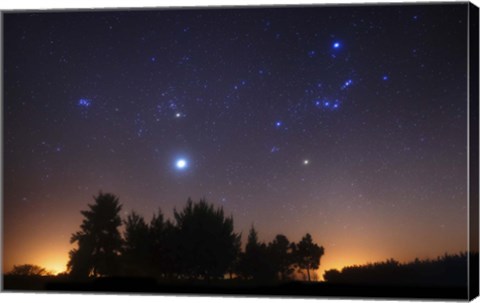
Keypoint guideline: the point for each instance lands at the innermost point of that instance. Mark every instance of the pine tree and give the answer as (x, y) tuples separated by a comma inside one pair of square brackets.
[(207, 243), (280, 251), (99, 241), (136, 254), (308, 254)]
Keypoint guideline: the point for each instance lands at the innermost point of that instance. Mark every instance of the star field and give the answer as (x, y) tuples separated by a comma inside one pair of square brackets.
[(345, 122)]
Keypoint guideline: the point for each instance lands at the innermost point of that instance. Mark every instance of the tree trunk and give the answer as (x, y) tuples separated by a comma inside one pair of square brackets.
[(308, 273)]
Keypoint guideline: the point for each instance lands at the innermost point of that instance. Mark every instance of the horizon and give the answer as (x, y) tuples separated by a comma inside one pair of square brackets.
[(57, 268)]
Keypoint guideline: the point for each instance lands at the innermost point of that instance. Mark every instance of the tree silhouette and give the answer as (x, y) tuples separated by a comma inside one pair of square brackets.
[(307, 254), (136, 253), (28, 270), (447, 270), (333, 275), (255, 262), (81, 262), (280, 251), (163, 237), (99, 241), (248, 260), (206, 242), (199, 244)]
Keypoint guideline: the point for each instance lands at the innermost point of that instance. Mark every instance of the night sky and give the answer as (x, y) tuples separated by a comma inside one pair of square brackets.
[(349, 123)]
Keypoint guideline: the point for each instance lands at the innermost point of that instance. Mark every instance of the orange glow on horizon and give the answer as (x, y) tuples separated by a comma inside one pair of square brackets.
[(339, 261), (55, 265), (54, 261), (369, 237)]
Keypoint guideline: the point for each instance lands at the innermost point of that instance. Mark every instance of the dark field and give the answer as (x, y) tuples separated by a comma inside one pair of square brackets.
[(230, 287)]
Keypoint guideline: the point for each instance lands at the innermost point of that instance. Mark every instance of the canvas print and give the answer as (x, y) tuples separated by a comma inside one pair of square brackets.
[(310, 151)]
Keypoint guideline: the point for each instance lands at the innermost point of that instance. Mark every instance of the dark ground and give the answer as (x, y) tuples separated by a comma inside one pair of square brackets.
[(230, 287)]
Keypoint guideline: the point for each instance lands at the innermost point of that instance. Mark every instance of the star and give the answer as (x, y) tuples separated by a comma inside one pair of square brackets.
[(83, 102), (275, 149), (347, 84), (336, 45), (181, 164), (306, 162)]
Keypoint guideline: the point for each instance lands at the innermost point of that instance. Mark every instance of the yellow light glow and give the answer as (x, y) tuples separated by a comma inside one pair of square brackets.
[(55, 266)]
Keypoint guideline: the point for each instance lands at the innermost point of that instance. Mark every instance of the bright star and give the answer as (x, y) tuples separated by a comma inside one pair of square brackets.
[(181, 164), (385, 78), (306, 162), (336, 45), (278, 123), (347, 84), (84, 102), (178, 115)]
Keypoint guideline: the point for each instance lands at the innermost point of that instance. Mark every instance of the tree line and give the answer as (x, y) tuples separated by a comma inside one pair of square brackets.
[(29, 270), (447, 270), (199, 243)]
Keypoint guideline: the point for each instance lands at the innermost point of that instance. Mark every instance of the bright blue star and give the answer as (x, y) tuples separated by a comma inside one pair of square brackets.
[(335, 105), (181, 164), (336, 45), (346, 84), (326, 103), (278, 123), (385, 78), (84, 102)]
